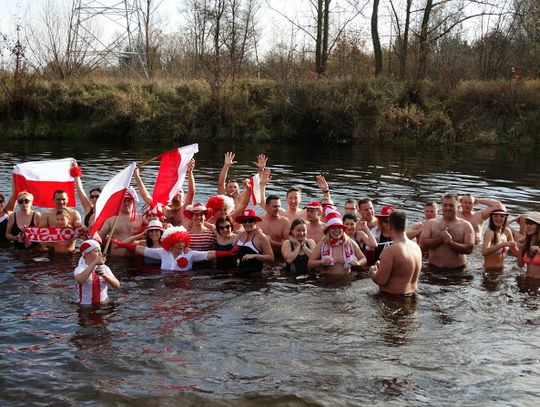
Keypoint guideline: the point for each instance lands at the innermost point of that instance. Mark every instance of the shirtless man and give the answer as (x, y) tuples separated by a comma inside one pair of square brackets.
[(399, 268), (61, 199), (125, 225), (367, 213), (448, 239), (274, 225), (351, 207), (431, 210), (315, 228), (231, 187), (477, 218)]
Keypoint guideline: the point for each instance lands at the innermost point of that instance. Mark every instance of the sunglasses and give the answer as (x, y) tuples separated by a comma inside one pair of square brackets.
[(248, 221), (224, 227), (94, 196), (23, 201), (530, 222)]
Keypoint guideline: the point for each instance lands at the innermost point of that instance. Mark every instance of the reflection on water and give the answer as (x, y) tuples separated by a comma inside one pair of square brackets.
[(209, 337)]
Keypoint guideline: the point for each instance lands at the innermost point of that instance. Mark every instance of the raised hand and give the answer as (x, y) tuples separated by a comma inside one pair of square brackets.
[(261, 162), (229, 159), (266, 176), (321, 183)]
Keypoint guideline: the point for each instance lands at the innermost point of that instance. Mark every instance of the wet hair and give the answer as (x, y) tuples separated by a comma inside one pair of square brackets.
[(59, 191), (295, 223), (398, 221), (493, 227), (450, 195), (271, 198), (223, 219), (348, 216), (293, 189), (364, 201)]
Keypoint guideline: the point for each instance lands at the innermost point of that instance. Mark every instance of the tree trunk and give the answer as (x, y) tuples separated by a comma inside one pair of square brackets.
[(318, 41), (405, 42), (423, 42), (375, 37)]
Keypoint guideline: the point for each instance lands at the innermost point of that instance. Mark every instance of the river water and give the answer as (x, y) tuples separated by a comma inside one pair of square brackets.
[(207, 338)]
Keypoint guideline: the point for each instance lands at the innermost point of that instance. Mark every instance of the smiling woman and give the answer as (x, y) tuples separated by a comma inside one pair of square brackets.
[(19, 220)]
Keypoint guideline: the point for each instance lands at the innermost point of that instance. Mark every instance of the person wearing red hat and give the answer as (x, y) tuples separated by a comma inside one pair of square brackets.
[(275, 226), (529, 251), (382, 232), (254, 246), (92, 275), (399, 269), (315, 227), (336, 253), (497, 241), (449, 239)]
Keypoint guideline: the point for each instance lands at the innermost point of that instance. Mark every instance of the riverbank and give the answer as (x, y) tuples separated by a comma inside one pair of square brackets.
[(263, 110)]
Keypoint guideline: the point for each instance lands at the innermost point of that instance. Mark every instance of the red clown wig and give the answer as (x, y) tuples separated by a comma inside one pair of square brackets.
[(173, 235)]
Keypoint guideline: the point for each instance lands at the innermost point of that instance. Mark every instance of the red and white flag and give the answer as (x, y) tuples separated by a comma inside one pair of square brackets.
[(42, 178), (255, 183), (172, 172), (111, 198)]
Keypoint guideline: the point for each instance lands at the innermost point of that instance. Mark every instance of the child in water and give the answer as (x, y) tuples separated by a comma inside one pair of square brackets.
[(62, 220), (93, 276)]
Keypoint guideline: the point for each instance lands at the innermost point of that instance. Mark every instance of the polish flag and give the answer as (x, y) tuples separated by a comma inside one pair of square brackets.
[(172, 172), (110, 201), (42, 178), (255, 183)]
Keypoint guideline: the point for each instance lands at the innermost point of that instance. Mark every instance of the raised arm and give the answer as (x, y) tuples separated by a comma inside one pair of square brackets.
[(244, 200), (266, 176), (141, 187), (323, 186), (228, 162)]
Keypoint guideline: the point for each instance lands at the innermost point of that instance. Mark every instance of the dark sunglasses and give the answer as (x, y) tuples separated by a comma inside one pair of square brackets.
[(224, 227), (23, 201), (530, 222), (248, 221), (94, 196)]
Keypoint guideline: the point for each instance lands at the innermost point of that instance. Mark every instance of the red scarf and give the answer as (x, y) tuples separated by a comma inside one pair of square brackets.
[(96, 297), (336, 242)]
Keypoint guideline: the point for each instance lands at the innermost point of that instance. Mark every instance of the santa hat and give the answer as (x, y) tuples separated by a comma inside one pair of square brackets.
[(333, 218), (88, 245), (173, 235)]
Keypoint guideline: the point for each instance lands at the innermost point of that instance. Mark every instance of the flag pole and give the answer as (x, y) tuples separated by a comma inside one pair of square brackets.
[(148, 161), (108, 242)]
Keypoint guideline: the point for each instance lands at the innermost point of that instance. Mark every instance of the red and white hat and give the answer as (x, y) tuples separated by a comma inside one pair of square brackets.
[(155, 225), (88, 245), (333, 218), (314, 205), (198, 207)]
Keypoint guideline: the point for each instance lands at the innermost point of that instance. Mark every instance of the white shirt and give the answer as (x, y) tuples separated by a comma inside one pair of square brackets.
[(86, 290), (169, 262)]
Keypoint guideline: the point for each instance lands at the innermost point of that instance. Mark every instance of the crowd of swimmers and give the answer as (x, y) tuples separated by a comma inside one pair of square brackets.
[(311, 238)]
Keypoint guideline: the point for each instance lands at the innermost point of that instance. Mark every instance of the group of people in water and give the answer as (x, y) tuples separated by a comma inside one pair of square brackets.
[(312, 238)]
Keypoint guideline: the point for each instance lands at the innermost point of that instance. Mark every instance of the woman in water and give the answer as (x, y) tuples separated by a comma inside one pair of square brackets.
[(359, 231), (151, 237), (529, 251), (297, 248), (225, 240), (19, 220), (253, 246), (202, 237), (336, 253), (175, 253), (498, 240)]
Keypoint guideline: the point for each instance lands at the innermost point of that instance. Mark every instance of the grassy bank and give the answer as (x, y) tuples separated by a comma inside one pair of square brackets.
[(321, 111)]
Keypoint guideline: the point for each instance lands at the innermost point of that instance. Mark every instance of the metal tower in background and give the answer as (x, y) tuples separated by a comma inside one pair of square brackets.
[(117, 20)]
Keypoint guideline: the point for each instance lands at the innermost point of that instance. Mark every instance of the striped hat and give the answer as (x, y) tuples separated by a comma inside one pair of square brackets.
[(333, 218), (88, 245)]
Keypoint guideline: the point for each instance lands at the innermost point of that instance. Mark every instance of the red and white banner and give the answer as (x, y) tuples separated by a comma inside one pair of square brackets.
[(111, 198), (42, 178), (172, 172), (255, 183), (48, 234)]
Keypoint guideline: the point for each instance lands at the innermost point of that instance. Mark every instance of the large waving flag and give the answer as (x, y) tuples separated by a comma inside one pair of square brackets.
[(172, 172), (42, 178), (111, 198)]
